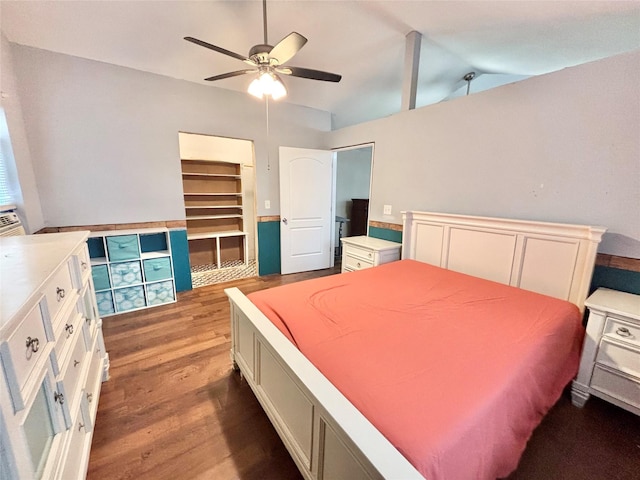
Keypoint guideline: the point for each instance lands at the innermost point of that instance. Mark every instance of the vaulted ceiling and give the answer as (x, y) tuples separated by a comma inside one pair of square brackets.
[(364, 41)]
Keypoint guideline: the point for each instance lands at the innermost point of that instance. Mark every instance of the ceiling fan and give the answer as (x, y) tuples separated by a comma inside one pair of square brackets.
[(268, 61)]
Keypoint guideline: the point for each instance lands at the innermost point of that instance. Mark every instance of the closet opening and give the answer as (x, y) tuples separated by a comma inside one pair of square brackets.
[(218, 179)]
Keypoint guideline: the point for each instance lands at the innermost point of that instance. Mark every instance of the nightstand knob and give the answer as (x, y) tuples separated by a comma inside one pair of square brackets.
[(623, 332)]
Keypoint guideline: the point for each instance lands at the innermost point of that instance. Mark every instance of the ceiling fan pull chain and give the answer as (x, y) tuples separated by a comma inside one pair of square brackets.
[(264, 20)]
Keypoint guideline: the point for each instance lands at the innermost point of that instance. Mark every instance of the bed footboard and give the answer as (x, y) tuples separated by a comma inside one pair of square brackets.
[(325, 434)]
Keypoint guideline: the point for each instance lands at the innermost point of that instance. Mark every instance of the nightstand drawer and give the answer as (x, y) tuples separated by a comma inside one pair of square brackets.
[(622, 331), (617, 386), (361, 253), (356, 263), (619, 357)]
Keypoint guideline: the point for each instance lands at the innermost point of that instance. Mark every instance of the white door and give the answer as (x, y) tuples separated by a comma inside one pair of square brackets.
[(306, 180)]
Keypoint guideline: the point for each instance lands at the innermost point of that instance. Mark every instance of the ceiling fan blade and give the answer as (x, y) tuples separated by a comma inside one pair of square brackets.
[(230, 74), (224, 51), (286, 48), (308, 73)]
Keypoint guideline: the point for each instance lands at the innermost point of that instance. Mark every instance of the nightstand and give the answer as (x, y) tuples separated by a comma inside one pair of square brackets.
[(366, 252), (610, 363)]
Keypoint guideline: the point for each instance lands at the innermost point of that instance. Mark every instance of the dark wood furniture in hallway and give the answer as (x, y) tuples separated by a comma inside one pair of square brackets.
[(173, 408)]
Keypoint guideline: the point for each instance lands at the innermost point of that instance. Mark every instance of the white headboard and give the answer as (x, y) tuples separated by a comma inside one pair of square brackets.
[(550, 258)]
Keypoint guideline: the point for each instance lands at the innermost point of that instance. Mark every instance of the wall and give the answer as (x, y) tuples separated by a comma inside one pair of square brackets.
[(562, 147), (20, 169), (104, 139)]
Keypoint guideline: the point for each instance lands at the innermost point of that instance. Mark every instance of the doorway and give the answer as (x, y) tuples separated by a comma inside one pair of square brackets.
[(353, 170)]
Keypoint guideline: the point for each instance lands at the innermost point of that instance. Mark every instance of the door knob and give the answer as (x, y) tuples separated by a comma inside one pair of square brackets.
[(285, 221)]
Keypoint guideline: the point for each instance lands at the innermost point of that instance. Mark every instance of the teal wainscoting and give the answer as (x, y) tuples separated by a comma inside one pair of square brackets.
[(616, 279), (268, 247), (180, 258), (385, 234)]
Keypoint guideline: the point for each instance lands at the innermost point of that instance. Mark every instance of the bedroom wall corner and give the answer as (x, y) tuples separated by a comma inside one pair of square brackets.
[(268, 246)]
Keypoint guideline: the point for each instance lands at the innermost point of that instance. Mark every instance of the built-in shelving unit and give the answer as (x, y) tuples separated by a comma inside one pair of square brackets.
[(214, 211)]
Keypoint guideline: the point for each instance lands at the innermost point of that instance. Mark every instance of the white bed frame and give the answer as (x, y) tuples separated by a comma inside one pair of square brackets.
[(325, 434)]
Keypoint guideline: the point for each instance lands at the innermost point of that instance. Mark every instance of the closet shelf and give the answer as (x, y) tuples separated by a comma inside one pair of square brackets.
[(214, 175), (229, 233), (212, 194), (202, 207), (211, 217)]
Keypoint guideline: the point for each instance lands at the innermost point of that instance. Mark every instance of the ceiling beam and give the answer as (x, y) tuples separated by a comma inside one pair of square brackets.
[(411, 64)]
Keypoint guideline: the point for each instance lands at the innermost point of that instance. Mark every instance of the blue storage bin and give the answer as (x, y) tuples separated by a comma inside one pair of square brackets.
[(126, 273), (105, 303), (100, 277), (161, 292), (129, 298), (123, 247), (157, 269)]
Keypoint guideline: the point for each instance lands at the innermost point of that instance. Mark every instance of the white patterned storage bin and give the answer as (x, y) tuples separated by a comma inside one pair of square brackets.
[(129, 298), (126, 273), (105, 303), (161, 292)]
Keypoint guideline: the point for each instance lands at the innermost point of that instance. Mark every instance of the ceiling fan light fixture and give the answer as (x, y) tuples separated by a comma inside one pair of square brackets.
[(269, 84)]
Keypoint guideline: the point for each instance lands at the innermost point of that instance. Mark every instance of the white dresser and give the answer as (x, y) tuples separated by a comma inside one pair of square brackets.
[(610, 363), (366, 252), (52, 356)]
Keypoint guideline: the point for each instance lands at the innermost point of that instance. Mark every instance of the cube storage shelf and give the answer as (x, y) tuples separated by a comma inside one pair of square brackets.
[(131, 269)]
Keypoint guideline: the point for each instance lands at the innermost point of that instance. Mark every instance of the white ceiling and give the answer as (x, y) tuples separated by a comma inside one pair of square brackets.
[(364, 41)]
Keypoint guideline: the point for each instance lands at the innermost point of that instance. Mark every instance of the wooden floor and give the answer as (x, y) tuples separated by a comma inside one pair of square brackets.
[(173, 408)]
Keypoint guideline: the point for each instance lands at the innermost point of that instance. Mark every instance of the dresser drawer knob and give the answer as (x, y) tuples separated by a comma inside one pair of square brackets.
[(33, 344), (623, 332), (89, 397), (80, 426), (84, 265), (69, 328), (59, 397), (369, 254), (60, 293), (75, 363), (358, 264)]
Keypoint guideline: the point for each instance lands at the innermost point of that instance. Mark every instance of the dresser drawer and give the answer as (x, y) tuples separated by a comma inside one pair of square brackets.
[(362, 253), (59, 288), (157, 269), (622, 331), (618, 386), (82, 257), (74, 365), (76, 450), (22, 351), (123, 247), (619, 357), (125, 274), (356, 263), (69, 329)]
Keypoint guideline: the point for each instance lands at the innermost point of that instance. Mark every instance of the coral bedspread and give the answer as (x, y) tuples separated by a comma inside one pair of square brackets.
[(455, 371)]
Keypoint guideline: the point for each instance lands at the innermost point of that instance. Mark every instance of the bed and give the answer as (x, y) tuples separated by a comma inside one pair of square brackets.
[(465, 418)]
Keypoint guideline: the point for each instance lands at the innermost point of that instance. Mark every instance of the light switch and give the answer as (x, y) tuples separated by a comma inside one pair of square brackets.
[(267, 204), (387, 210)]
